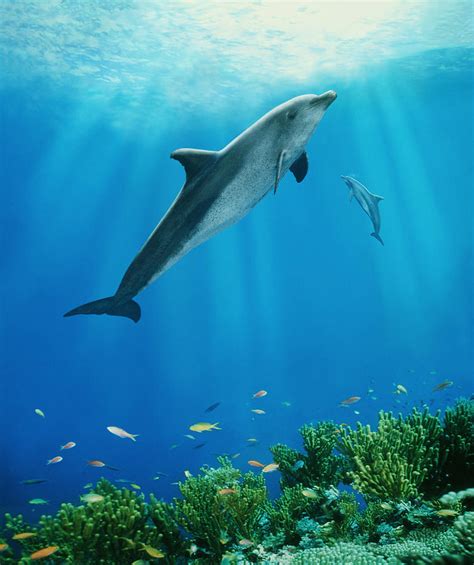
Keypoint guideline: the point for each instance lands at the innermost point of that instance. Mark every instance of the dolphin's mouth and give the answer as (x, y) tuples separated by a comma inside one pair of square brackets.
[(325, 99)]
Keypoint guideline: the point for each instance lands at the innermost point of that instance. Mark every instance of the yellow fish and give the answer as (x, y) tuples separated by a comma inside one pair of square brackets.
[(386, 506), (153, 552), (135, 486), (92, 497), (3, 547), (204, 427), (309, 493), (24, 535), (447, 512), (270, 468)]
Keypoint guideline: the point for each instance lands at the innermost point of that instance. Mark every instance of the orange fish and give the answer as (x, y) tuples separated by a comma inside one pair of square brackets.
[(254, 463), (258, 411), (54, 460), (270, 468), (46, 552), (260, 394), (24, 535), (68, 445), (224, 491), (350, 400), (97, 463)]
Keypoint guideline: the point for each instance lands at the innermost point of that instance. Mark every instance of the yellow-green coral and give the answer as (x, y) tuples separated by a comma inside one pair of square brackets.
[(393, 462)]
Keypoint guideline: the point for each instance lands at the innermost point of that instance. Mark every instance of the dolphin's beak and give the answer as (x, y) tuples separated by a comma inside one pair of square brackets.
[(325, 99)]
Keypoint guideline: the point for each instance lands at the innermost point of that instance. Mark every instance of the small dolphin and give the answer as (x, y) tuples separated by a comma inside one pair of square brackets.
[(221, 188), (368, 201)]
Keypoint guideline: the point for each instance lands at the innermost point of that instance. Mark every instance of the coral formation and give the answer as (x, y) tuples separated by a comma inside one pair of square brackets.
[(225, 515)]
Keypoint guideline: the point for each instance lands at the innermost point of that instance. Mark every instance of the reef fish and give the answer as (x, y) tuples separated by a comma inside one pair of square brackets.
[(350, 400), (309, 493), (270, 468), (260, 394), (368, 202), (45, 552), (24, 535), (3, 547), (443, 385), (225, 491), (97, 463), (221, 188), (258, 411), (92, 498), (204, 427), (68, 445), (54, 460), (212, 407), (33, 481), (37, 501), (254, 463), (153, 552), (119, 432), (39, 412)]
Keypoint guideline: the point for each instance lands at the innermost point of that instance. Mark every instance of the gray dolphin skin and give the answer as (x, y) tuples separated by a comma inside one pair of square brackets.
[(221, 188), (369, 203)]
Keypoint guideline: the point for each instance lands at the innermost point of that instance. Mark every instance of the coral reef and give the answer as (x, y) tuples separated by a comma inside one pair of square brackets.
[(397, 460), (225, 516)]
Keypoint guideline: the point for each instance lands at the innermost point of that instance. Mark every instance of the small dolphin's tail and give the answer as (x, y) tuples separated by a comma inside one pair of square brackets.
[(377, 236), (108, 306)]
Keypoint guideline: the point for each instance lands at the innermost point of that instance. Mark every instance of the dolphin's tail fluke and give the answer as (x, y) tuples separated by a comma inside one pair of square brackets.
[(108, 306), (377, 236)]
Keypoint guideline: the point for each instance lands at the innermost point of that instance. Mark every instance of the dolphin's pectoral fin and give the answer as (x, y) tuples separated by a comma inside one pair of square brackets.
[(194, 160), (278, 171), (300, 167), (377, 237), (351, 195)]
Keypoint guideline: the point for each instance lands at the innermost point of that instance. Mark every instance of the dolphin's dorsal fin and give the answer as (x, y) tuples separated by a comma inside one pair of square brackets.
[(300, 167), (193, 160), (377, 198)]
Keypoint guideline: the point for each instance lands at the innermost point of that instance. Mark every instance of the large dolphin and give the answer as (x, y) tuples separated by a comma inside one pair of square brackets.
[(369, 203), (221, 188)]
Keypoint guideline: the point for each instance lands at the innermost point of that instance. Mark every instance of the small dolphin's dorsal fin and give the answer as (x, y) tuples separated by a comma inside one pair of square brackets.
[(193, 160), (300, 167), (377, 198)]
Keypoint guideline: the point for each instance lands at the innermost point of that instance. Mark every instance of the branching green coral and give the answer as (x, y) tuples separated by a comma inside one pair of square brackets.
[(320, 466), (395, 461)]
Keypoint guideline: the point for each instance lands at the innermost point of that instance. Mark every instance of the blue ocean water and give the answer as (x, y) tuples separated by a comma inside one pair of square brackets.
[(296, 299)]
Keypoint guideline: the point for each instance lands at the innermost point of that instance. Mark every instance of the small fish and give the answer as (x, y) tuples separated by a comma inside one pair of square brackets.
[(270, 468), (254, 463), (235, 455), (3, 547), (252, 440), (260, 394), (39, 412), (119, 432), (370, 390), (140, 562), (286, 403), (174, 445), (357, 412), (192, 549), (443, 385), (160, 474), (258, 411), (24, 535), (124, 481), (212, 407), (54, 460), (38, 501), (309, 493), (447, 512), (135, 486), (189, 436), (45, 552), (187, 474), (88, 485), (92, 498), (298, 465), (349, 400), (68, 445), (204, 427), (386, 506), (224, 491), (33, 481), (199, 445), (97, 463), (400, 389), (373, 398), (245, 542), (153, 552), (433, 372)]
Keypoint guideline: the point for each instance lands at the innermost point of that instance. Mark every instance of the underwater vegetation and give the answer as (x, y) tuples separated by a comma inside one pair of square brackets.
[(401, 493)]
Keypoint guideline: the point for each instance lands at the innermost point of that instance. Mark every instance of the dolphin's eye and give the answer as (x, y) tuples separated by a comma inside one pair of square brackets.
[(291, 115)]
